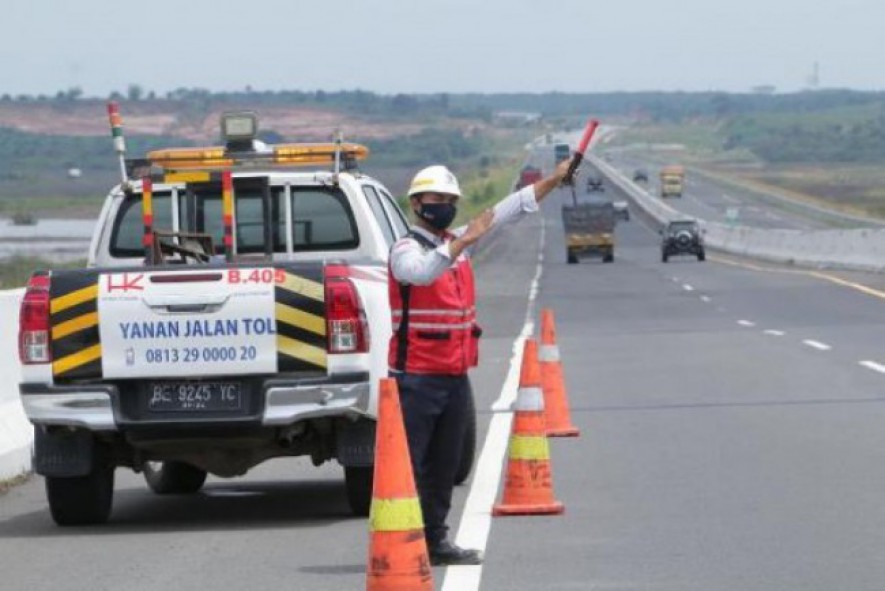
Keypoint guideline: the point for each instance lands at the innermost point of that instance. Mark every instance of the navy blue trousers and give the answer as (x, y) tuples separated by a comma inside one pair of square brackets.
[(435, 416)]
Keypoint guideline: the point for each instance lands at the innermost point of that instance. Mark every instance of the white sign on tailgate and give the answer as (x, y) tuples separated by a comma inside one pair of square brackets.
[(187, 323)]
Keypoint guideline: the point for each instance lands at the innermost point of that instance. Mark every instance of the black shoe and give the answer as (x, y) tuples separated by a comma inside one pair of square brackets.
[(446, 553)]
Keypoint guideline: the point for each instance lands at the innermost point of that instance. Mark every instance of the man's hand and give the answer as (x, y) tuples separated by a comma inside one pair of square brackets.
[(478, 226), (562, 170), (476, 229), (546, 185)]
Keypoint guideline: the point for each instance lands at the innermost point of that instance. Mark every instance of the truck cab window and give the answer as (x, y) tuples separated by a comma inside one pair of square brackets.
[(322, 220), (128, 229), (400, 225), (374, 201)]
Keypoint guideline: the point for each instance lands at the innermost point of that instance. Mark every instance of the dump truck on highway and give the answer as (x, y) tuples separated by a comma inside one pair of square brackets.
[(672, 181), (589, 231)]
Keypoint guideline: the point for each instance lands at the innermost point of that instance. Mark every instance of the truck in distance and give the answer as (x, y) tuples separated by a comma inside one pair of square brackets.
[(589, 231), (672, 179)]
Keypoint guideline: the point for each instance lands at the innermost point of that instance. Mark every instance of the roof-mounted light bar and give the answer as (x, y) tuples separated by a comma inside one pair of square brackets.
[(217, 157)]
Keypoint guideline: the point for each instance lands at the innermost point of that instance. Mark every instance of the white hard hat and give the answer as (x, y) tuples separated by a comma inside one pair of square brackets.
[(435, 179)]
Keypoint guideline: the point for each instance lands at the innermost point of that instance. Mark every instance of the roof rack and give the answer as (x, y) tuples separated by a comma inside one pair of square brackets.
[(242, 150)]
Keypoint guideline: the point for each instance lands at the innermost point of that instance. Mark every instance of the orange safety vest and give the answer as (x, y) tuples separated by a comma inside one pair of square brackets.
[(434, 326)]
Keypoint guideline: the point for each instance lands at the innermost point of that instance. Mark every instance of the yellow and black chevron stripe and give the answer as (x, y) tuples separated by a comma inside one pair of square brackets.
[(76, 345), (301, 320)]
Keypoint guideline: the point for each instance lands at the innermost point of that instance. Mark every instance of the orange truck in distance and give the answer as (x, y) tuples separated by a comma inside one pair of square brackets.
[(672, 181)]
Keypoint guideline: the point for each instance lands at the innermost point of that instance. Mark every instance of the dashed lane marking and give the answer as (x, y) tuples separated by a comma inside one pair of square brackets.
[(775, 333), (746, 323), (816, 345), (873, 365), (687, 287)]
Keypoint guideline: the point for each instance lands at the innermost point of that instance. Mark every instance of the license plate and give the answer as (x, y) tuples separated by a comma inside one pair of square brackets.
[(194, 396)]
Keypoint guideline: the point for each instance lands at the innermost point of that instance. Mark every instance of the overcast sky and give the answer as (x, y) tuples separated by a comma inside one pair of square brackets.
[(391, 46)]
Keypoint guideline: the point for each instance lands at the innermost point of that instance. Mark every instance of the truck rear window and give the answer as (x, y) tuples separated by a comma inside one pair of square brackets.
[(322, 219)]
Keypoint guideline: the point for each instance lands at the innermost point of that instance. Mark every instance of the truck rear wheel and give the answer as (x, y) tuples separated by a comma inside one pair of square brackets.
[(468, 451), (609, 258), (571, 258), (81, 500), (358, 481), (174, 478)]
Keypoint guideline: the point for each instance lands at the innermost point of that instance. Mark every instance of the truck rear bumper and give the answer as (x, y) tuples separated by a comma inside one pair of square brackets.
[(97, 407)]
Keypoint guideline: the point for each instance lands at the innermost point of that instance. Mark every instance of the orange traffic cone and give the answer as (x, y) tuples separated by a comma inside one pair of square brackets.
[(559, 422), (528, 488), (398, 559)]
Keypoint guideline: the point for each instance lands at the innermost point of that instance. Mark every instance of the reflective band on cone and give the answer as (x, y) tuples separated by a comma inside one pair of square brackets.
[(395, 515)]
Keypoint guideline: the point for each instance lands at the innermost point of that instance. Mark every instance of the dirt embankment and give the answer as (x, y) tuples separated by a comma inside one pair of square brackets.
[(89, 118)]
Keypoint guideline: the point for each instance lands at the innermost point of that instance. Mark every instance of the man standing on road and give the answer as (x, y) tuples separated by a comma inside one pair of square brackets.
[(435, 335)]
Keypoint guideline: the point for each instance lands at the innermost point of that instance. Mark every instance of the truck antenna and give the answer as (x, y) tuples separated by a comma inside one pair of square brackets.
[(339, 138), (119, 141)]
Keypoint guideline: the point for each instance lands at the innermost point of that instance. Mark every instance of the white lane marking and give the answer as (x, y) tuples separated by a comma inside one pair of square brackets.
[(746, 323), (706, 299), (817, 345), (873, 365), (775, 333), (476, 521), (687, 287)]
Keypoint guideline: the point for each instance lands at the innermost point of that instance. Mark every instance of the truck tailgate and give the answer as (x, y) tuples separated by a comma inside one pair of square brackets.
[(188, 322)]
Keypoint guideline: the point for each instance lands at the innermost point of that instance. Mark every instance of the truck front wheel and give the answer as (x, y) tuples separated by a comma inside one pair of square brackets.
[(174, 478), (358, 480), (81, 500)]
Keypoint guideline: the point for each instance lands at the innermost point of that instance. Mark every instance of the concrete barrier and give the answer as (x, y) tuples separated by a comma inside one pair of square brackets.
[(16, 433), (861, 249)]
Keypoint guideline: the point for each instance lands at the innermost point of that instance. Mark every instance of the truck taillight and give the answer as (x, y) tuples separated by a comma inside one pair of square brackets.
[(346, 326), (33, 323)]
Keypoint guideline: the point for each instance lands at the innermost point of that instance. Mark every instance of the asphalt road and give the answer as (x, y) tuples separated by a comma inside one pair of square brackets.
[(730, 440), (708, 199)]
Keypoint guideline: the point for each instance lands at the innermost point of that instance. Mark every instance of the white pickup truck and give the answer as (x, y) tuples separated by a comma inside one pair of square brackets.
[(234, 309)]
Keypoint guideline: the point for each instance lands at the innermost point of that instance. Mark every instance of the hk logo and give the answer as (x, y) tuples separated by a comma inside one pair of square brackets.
[(125, 282)]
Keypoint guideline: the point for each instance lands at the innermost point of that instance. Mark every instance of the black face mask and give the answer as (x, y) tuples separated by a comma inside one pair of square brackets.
[(438, 215)]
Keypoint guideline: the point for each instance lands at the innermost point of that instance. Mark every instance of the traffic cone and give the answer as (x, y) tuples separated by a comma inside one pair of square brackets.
[(528, 488), (398, 559), (559, 422)]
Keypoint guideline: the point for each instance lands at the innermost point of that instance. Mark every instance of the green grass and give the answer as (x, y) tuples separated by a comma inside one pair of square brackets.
[(15, 271)]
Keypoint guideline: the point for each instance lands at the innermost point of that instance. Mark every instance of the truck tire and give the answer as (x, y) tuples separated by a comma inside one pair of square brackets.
[(571, 258), (358, 481), (81, 500), (702, 255), (174, 478), (609, 258), (468, 451), (664, 257)]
